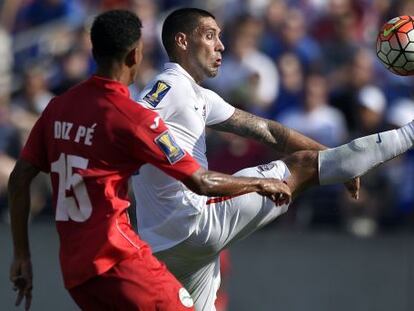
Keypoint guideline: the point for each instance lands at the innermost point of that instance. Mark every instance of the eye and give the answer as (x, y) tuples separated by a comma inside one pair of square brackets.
[(209, 35)]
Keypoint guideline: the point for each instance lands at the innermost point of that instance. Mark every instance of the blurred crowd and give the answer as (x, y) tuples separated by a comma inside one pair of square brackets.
[(309, 64)]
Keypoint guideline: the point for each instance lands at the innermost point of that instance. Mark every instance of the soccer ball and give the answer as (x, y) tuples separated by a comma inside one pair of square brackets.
[(395, 45)]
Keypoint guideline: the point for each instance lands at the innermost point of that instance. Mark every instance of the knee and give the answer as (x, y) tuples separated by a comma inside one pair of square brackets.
[(303, 167), (304, 160)]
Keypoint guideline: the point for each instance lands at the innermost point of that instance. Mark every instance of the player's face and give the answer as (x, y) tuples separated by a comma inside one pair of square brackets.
[(205, 48)]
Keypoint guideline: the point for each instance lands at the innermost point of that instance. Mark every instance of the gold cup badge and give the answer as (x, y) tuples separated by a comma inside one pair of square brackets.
[(166, 141), (172, 151), (157, 93)]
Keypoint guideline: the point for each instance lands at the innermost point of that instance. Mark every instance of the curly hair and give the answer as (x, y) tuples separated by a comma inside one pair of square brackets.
[(113, 34)]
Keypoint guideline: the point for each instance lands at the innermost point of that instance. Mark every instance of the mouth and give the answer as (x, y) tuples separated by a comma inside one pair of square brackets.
[(218, 62)]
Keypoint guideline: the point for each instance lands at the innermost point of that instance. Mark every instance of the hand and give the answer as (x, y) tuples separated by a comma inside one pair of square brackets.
[(353, 186), (276, 190), (21, 277)]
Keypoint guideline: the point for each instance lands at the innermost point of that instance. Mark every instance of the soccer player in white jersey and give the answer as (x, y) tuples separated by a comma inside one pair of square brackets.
[(187, 231)]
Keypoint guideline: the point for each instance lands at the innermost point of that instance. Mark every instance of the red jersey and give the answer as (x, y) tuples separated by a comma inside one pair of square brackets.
[(92, 139)]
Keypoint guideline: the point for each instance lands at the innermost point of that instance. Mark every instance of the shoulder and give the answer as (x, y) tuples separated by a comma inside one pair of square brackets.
[(165, 88), (132, 113), (84, 89), (172, 78), (213, 99), (210, 94)]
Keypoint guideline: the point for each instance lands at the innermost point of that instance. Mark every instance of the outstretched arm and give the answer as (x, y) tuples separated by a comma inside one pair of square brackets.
[(19, 204), (271, 133), (211, 183), (282, 139)]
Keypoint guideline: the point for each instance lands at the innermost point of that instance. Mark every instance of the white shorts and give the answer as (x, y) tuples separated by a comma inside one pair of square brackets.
[(195, 261)]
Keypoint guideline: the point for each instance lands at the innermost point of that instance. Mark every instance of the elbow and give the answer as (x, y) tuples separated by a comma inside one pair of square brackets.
[(201, 187), (13, 182), (206, 186), (20, 178), (201, 183), (16, 187)]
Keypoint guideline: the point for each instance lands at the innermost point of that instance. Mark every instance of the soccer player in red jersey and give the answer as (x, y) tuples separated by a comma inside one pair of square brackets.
[(91, 140)]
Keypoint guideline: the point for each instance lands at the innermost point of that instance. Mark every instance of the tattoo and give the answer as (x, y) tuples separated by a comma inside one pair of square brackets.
[(248, 125)]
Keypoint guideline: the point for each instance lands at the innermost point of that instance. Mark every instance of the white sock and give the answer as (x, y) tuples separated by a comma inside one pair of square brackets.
[(354, 159)]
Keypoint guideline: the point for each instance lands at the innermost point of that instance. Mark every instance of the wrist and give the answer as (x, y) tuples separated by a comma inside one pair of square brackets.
[(259, 184)]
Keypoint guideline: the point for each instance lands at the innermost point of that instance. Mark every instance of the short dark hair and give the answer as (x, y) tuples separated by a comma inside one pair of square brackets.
[(182, 20), (113, 33)]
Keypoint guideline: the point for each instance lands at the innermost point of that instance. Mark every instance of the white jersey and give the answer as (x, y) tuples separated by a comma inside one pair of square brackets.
[(167, 212)]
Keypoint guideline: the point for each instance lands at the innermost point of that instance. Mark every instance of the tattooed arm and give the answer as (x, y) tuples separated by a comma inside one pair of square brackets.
[(282, 139), (271, 133)]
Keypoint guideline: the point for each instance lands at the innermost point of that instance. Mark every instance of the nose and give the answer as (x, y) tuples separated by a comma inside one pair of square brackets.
[(220, 46)]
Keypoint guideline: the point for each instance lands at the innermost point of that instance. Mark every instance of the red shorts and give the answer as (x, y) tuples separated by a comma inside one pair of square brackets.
[(137, 283)]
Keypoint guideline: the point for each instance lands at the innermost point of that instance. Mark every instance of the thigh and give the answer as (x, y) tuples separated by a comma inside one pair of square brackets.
[(138, 283), (227, 220), (195, 261)]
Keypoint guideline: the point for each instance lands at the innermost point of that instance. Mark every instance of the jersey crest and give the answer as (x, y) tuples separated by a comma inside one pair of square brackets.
[(157, 93), (266, 167), (169, 147)]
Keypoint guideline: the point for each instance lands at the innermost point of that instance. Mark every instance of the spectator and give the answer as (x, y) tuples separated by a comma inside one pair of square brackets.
[(293, 38), (356, 75), (336, 15), (31, 100), (339, 33), (39, 12), (35, 94), (402, 209), (370, 113), (274, 17), (362, 217), (6, 60), (75, 68), (291, 86), (10, 145), (247, 78), (326, 124), (148, 12), (25, 109), (316, 118)]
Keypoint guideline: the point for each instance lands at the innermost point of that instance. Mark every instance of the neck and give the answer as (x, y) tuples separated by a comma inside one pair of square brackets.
[(186, 64), (115, 72)]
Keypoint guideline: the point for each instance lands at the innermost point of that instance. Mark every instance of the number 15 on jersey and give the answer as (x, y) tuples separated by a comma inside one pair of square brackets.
[(76, 205)]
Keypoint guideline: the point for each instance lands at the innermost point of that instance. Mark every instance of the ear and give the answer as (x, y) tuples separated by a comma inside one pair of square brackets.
[(130, 58), (134, 57), (181, 40)]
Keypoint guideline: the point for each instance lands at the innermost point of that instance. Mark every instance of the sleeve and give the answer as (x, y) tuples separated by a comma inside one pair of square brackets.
[(217, 110), (34, 150), (154, 144)]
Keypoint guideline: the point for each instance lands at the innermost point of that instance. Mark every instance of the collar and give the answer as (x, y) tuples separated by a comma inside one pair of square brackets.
[(177, 67), (109, 84)]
